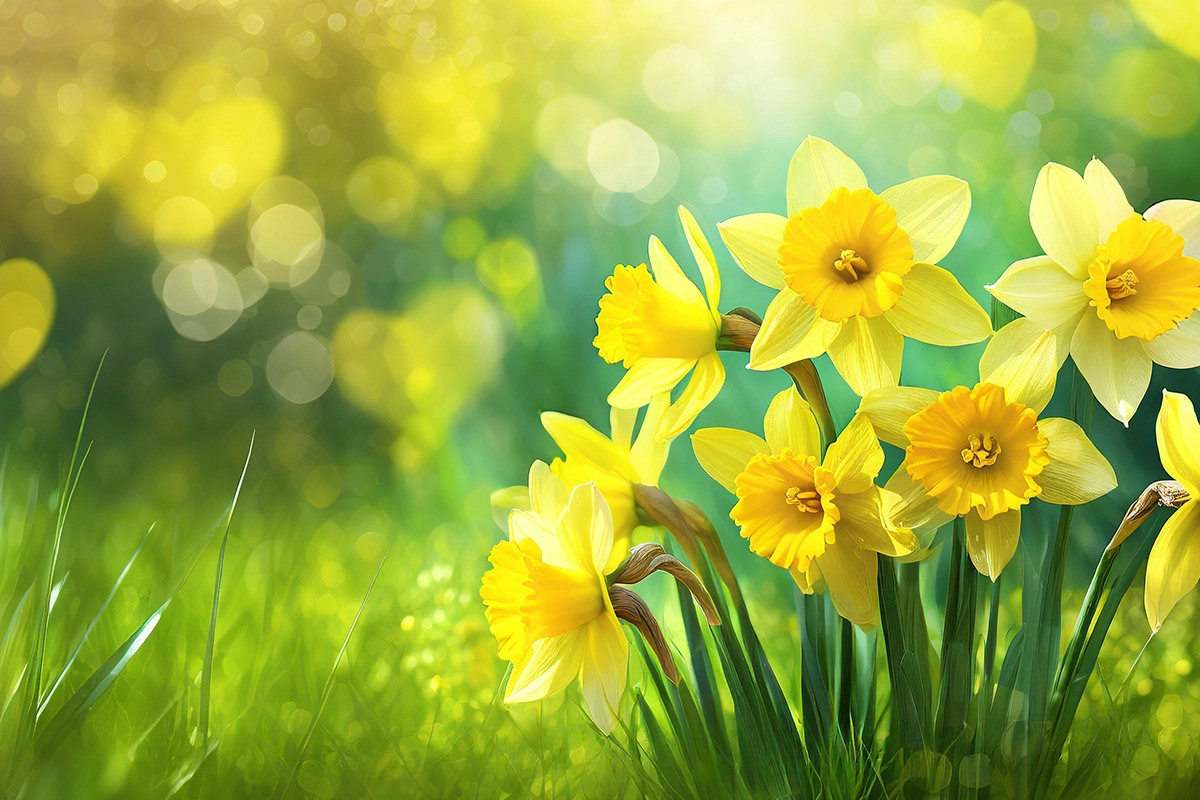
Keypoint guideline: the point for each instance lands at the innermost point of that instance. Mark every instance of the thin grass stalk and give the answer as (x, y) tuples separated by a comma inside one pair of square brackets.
[(907, 703), (846, 681), (958, 641), (989, 664)]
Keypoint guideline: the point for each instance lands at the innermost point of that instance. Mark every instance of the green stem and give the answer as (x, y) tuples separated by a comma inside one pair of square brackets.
[(846, 683), (958, 637), (808, 382), (989, 664)]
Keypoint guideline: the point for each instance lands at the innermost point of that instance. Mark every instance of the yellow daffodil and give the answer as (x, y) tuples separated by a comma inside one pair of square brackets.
[(982, 452), (1120, 290), (661, 328), (547, 601), (1174, 566), (814, 518), (855, 270)]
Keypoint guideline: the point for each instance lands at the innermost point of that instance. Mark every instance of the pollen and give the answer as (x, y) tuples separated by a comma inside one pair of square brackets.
[(1121, 286), (807, 500), (851, 265), (981, 451)]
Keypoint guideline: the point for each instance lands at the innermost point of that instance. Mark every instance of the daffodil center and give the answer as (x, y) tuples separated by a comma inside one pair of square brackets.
[(851, 265), (1122, 286), (786, 508), (981, 451), (806, 500)]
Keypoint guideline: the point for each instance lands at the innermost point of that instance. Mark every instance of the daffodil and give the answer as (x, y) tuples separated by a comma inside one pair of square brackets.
[(1119, 289), (1174, 566), (661, 328), (817, 519), (547, 601), (983, 452), (856, 270)]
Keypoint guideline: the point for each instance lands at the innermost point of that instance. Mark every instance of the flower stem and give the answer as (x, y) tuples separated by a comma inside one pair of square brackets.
[(808, 381)]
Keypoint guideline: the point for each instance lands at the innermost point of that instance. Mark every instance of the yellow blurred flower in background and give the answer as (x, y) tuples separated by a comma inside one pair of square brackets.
[(1174, 565), (1118, 289), (855, 269), (26, 314)]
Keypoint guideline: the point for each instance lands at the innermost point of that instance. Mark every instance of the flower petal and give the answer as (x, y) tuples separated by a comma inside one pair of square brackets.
[(706, 382), (890, 407), (864, 518), (932, 211), (603, 672), (1025, 371), (648, 456), (1183, 217), (1118, 370), (1178, 436), (548, 495), (702, 252), (867, 353), (724, 452), (505, 500), (855, 457), (992, 542), (1042, 291), (1178, 348), (1173, 568), (934, 308), (789, 422), (1111, 206), (817, 168), (1077, 472), (754, 241), (670, 277), (621, 422), (914, 507), (552, 664), (586, 525), (1063, 217), (791, 331), (580, 441), (646, 378), (851, 572)]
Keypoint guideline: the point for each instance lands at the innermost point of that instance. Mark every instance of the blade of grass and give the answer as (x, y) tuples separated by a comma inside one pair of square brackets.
[(958, 640), (910, 727)]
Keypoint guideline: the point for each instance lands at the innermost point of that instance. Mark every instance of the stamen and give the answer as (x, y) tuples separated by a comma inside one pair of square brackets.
[(1122, 285), (851, 265), (981, 451), (807, 500)]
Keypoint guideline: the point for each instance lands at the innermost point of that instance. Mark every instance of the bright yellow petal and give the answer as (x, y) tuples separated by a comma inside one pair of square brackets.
[(864, 518), (851, 573), (670, 277), (702, 389), (936, 309), (548, 495), (603, 672), (1178, 436), (1174, 565), (586, 526), (1063, 217), (1178, 348), (646, 378), (1042, 291), (789, 422), (1026, 372), (867, 353), (914, 507), (579, 440), (810, 581), (754, 241), (817, 169), (648, 456), (855, 457), (702, 252), (1077, 472), (992, 542), (791, 331), (1118, 370), (552, 664), (889, 408), (1183, 217), (932, 211), (724, 452), (1111, 206), (505, 500)]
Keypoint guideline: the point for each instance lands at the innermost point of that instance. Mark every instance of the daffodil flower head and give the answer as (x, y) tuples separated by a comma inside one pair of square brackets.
[(983, 452), (660, 327), (1173, 568), (1119, 289), (856, 271), (548, 604), (817, 518)]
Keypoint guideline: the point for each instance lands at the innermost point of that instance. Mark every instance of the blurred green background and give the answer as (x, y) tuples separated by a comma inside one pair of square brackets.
[(374, 232)]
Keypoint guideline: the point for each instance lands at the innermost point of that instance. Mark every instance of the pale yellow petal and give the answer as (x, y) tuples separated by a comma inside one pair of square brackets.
[(855, 457), (932, 211), (817, 168), (646, 378), (621, 422), (867, 353), (851, 573), (1173, 568), (1118, 370), (702, 389), (754, 241), (505, 500), (603, 671), (791, 331), (1178, 436), (648, 456), (724, 452), (1063, 217), (670, 277), (1178, 348), (1025, 372), (789, 422), (1111, 206), (915, 508), (863, 517), (992, 542), (586, 525), (1077, 472), (580, 441), (552, 664), (1042, 291), (548, 495), (936, 309), (889, 408), (1183, 217), (702, 252)]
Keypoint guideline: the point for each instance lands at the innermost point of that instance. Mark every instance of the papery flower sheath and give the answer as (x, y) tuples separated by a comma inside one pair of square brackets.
[(816, 519), (856, 270), (982, 452), (661, 328), (547, 601), (1174, 566), (1119, 289)]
